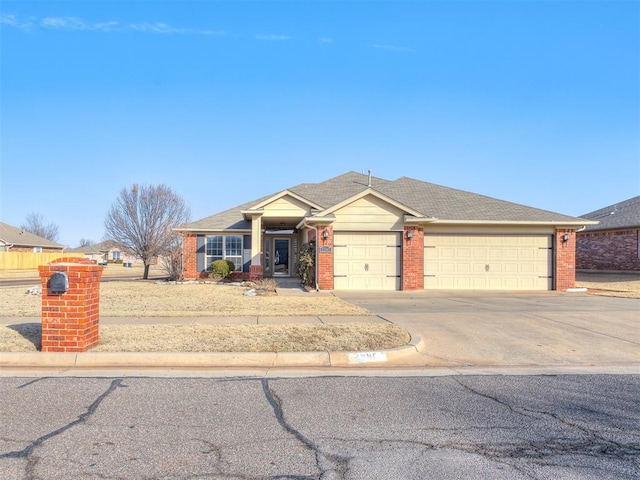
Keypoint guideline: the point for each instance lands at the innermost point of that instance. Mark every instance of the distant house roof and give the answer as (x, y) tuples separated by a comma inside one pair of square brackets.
[(21, 238), (102, 247), (431, 201), (625, 214)]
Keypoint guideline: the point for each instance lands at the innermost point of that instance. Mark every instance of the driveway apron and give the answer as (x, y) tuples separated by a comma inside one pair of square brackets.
[(462, 328)]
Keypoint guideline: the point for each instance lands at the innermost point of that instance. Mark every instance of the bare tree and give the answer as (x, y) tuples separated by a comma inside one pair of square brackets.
[(36, 224), (85, 242), (141, 222)]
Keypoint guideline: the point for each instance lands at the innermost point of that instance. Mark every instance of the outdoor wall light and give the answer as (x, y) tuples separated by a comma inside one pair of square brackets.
[(565, 237), (325, 234), (409, 235)]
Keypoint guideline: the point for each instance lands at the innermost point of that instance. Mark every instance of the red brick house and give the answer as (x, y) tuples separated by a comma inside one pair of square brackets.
[(614, 243), (377, 234)]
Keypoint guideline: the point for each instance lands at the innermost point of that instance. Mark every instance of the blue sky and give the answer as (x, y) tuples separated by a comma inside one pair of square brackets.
[(535, 102)]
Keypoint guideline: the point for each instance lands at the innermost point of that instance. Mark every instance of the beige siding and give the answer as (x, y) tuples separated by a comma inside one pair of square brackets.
[(286, 206), (434, 228), (369, 214)]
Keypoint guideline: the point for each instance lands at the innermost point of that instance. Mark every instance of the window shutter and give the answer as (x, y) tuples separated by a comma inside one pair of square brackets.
[(246, 253), (200, 253)]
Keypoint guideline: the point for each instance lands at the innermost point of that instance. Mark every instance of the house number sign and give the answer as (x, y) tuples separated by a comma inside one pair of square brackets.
[(325, 249)]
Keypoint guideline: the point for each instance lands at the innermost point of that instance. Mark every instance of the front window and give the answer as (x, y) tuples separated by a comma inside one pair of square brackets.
[(115, 255), (224, 247)]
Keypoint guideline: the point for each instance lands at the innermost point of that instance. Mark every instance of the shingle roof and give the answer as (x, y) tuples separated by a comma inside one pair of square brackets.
[(431, 200), (446, 203), (95, 248), (21, 238), (625, 214)]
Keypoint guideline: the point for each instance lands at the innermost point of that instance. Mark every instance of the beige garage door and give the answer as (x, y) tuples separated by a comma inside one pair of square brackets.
[(367, 261), (488, 262)]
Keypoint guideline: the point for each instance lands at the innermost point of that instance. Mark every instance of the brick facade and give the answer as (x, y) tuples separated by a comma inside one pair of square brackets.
[(609, 250), (413, 259), (70, 319), (565, 260)]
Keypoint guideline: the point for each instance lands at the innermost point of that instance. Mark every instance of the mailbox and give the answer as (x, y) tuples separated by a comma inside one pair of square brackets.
[(59, 283)]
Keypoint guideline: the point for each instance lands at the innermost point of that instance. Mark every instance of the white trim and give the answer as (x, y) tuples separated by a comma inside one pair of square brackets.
[(284, 193)]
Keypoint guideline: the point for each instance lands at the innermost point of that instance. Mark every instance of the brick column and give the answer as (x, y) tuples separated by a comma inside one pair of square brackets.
[(189, 255), (255, 272), (413, 259), (565, 273), (70, 319), (325, 259)]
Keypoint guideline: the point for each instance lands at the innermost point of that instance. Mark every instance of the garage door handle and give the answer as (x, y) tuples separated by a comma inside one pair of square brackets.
[(366, 267), (486, 267)]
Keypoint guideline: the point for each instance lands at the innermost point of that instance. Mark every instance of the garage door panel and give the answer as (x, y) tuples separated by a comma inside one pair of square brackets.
[(488, 262), (367, 261)]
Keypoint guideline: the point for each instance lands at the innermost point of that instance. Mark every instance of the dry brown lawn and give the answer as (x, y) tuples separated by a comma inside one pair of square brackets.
[(224, 338), (610, 284), (140, 299)]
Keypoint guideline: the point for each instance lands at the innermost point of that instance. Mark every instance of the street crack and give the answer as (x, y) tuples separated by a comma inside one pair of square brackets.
[(593, 444), (28, 450), (331, 466)]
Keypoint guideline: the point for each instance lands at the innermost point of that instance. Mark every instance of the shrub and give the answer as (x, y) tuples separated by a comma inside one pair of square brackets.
[(231, 265), (267, 285), (220, 269), (306, 264)]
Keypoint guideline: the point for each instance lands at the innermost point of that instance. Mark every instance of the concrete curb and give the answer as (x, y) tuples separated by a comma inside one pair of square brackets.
[(401, 356)]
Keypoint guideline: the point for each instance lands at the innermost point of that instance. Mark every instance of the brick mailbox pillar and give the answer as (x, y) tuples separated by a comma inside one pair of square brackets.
[(70, 313)]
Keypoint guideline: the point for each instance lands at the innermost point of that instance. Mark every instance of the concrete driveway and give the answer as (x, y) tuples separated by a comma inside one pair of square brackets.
[(462, 328)]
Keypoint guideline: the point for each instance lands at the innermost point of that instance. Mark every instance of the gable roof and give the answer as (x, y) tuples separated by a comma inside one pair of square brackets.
[(438, 203), (625, 214), (10, 235), (101, 247)]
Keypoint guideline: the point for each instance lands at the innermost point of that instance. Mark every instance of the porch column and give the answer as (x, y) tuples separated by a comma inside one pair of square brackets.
[(256, 269)]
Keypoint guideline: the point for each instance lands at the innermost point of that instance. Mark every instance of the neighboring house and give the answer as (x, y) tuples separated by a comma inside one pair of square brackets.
[(14, 239), (97, 253), (613, 244), (371, 233), (105, 252)]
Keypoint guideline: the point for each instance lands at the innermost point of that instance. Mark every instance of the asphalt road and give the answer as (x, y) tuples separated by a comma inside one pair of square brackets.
[(472, 427)]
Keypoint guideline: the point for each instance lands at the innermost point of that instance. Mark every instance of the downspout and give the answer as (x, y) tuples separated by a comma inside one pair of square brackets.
[(315, 266)]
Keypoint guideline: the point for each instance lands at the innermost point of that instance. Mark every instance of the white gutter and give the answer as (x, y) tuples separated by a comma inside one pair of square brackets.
[(209, 230), (512, 222)]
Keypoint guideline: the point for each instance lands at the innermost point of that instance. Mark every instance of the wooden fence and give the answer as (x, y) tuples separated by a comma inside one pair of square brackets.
[(30, 260)]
